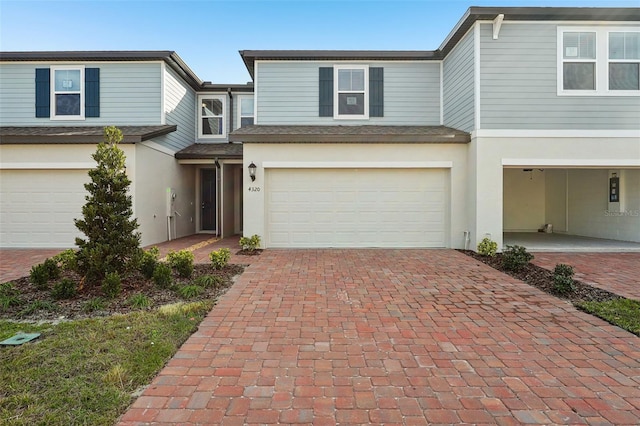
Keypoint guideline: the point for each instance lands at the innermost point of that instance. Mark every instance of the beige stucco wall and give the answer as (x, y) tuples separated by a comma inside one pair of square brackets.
[(156, 171), (494, 153), (384, 155), (524, 199)]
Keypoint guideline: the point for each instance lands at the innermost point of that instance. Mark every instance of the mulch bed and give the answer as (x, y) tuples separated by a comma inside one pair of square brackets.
[(255, 252), (541, 278), (76, 308)]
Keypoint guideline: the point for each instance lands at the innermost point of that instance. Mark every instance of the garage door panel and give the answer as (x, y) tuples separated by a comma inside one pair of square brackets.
[(39, 207), (356, 208)]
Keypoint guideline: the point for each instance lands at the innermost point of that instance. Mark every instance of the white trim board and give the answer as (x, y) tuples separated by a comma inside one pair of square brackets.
[(357, 165), (533, 133), (157, 147), (573, 163), (47, 166)]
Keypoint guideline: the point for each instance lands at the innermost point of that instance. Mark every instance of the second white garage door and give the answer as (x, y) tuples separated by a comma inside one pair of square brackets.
[(38, 207), (356, 207)]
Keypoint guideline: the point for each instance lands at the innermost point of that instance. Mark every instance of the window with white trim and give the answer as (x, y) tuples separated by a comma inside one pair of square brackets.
[(351, 98), (211, 116), (599, 61), (67, 93), (624, 60), (245, 110)]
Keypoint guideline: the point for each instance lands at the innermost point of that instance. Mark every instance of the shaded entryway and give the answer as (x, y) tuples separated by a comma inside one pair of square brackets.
[(393, 336)]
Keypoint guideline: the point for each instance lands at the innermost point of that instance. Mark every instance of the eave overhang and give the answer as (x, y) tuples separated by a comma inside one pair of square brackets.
[(78, 134), (349, 134)]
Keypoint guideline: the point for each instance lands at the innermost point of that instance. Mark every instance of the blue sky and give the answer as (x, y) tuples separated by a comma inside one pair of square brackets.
[(207, 34)]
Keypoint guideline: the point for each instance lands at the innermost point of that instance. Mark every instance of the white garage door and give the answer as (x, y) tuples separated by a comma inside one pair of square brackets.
[(356, 207), (37, 207)]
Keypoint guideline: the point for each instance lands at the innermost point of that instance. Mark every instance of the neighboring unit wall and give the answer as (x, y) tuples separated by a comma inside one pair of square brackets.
[(287, 93), (458, 85), (519, 85), (588, 205), (524, 200), (129, 94), (155, 172), (179, 99)]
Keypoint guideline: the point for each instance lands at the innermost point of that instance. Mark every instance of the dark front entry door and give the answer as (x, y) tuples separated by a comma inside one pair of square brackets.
[(208, 198)]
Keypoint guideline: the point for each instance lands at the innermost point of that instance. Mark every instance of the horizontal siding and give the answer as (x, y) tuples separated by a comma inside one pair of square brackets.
[(179, 106), (458, 85), (519, 86), (129, 95), (288, 94)]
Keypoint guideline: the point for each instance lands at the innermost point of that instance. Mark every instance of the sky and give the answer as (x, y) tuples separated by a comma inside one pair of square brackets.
[(207, 34)]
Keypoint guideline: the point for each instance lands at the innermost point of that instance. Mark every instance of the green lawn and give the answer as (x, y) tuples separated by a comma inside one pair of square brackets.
[(85, 371), (624, 313)]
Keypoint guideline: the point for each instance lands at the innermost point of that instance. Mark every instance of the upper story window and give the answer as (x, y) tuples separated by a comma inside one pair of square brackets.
[(212, 116), (601, 61), (245, 110), (624, 60), (351, 92), (351, 95), (67, 93)]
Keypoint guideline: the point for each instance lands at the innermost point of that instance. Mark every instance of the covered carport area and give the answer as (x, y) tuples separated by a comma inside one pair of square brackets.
[(580, 208)]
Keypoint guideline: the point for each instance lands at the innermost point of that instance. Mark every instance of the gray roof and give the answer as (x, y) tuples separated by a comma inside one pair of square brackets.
[(200, 151), (472, 15), (171, 58), (78, 134), (349, 134)]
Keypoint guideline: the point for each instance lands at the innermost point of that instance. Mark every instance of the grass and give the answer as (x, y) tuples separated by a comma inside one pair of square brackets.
[(625, 313), (85, 371)]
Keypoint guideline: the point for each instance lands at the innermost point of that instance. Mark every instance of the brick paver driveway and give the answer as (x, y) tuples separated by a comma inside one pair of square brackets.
[(394, 337)]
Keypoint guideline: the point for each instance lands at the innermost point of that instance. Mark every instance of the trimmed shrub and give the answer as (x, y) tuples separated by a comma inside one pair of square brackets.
[(162, 275), (515, 257), (53, 271), (563, 279), (487, 247), (182, 262), (64, 289), (66, 260), (220, 258), (149, 261), (39, 276), (111, 284), (250, 244)]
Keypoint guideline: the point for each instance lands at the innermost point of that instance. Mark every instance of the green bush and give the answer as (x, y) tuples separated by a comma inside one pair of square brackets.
[(162, 275), (52, 268), (220, 258), (66, 260), (64, 289), (39, 276), (208, 281), (250, 243), (487, 247), (149, 261), (515, 257), (182, 262), (190, 291), (563, 279), (111, 284), (139, 301)]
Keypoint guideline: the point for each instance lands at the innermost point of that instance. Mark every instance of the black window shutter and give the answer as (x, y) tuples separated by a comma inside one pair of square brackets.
[(43, 92), (376, 92), (325, 106), (92, 92)]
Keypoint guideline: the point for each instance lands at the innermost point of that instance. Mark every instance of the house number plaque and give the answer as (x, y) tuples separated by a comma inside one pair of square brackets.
[(254, 189)]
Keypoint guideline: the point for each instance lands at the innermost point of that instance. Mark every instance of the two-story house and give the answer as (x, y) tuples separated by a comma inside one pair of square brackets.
[(53, 107), (522, 117)]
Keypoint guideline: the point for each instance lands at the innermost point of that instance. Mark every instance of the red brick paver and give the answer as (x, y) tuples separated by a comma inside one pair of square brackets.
[(393, 337), (16, 263), (617, 272)]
